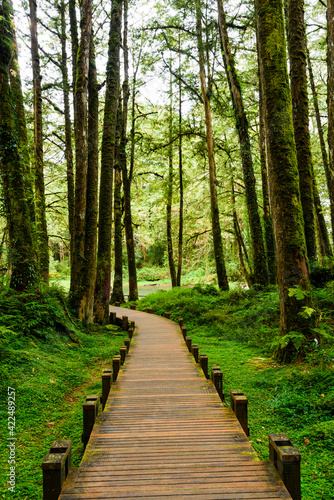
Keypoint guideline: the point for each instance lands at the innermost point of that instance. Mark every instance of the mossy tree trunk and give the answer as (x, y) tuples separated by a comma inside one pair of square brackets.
[(103, 274), (330, 104), (300, 113), (68, 131), (130, 242), (259, 254), (291, 254), (21, 248), (216, 231), (74, 45), (169, 231), (81, 154), (17, 96), (180, 245), (88, 272), (239, 239), (41, 226), (267, 217)]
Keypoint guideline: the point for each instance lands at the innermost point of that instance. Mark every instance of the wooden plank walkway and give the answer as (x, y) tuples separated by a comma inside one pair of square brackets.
[(165, 433)]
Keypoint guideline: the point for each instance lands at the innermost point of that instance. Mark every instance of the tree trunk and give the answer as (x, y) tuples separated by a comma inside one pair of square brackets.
[(21, 254), (117, 291), (81, 148), (330, 104), (259, 255), (267, 218), (75, 46), (68, 132), (102, 287), (17, 96), (41, 227), (130, 243), (216, 232), (323, 236), (291, 255), (300, 114), (89, 266), (170, 190), (179, 262), (238, 237)]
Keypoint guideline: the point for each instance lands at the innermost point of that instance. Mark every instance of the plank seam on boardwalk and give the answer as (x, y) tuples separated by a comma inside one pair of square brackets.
[(165, 434)]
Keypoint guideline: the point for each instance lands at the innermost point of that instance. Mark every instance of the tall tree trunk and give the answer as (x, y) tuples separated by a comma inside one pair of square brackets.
[(291, 254), (330, 104), (267, 218), (17, 96), (216, 232), (42, 234), (170, 188), (68, 132), (259, 254), (180, 246), (89, 266), (238, 237), (130, 243), (300, 114), (22, 255), (81, 148), (323, 236), (75, 46), (103, 274), (117, 291)]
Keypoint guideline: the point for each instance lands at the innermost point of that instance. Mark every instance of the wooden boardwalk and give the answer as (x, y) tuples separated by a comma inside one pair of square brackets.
[(165, 433)]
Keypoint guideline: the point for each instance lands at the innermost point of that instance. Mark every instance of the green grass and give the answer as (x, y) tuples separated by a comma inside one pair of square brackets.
[(236, 331), (53, 363)]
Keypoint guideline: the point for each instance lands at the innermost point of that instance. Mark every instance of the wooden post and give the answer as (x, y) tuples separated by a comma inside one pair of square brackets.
[(167, 315), (239, 405), (180, 321), (127, 343), (130, 332), (106, 383), (149, 310), (188, 342), (204, 362), (90, 410), (117, 304), (112, 318), (56, 466), (286, 459), (133, 307), (217, 379), (125, 323), (116, 365), (184, 332), (195, 351), (132, 324), (122, 352)]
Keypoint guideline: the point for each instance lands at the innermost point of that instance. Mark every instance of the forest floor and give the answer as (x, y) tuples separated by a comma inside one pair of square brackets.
[(53, 363)]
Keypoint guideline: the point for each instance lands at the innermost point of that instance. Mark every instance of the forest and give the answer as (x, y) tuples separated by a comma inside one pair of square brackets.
[(179, 147)]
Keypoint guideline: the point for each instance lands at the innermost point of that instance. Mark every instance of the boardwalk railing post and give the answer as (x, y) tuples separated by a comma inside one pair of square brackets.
[(188, 342), (130, 332), (217, 379), (56, 466), (112, 318), (286, 459), (106, 383), (117, 304), (195, 351), (127, 343), (239, 405), (122, 352), (133, 307), (125, 323), (116, 365), (167, 315), (204, 362), (180, 321), (90, 411), (184, 332)]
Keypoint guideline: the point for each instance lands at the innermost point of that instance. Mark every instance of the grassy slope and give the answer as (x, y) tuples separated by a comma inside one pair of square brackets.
[(236, 331), (53, 364)]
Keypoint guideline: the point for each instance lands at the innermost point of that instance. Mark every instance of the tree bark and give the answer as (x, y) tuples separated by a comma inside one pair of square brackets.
[(68, 132), (239, 239), (21, 254), (88, 272), (267, 218), (75, 46), (180, 246), (291, 254), (216, 231), (300, 114), (81, 148), (41, 226), (103, 274), (323, 236), (130, 242), (259, 254), (170, 252), (330, 104)]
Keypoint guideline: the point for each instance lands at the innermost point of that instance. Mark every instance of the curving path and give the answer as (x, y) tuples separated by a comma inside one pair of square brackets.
[(165, 434)]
